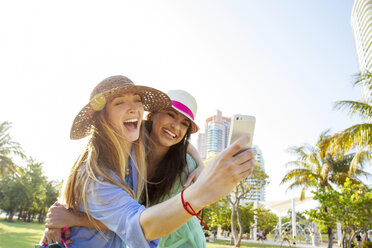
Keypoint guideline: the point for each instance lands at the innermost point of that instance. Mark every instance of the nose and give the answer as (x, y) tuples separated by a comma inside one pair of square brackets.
[(175, 124), (132, 107)]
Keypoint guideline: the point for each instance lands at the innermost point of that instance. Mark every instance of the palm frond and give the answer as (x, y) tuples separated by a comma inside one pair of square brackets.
[(299, 164), (302, 196), (359, 135), (296, 173), (314, 159), (323, 135), (301, 181), (365, 79), (360, 158), (326, 169), (8, 147), (355, 108), (298, 151)]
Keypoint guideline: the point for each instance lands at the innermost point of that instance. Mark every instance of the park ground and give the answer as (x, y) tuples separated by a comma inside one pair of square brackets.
[(22, 235)]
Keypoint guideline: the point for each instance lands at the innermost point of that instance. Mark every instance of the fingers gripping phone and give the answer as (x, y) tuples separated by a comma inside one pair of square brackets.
[(241, 125)]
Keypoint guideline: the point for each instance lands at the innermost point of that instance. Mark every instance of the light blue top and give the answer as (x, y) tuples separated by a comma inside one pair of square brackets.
[(115, 208)]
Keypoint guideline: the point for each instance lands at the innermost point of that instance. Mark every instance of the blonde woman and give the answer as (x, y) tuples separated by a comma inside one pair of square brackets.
[(108, 178)]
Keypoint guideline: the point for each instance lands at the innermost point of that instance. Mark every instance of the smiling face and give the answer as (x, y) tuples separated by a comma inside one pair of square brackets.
[(168, 127), (125, 114)]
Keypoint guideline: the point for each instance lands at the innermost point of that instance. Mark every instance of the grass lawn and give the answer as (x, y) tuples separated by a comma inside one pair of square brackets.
[(225, 243), (23, 235), (20, 234)]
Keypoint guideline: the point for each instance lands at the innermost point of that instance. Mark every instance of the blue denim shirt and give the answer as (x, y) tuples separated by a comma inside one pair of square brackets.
[(115, 208)]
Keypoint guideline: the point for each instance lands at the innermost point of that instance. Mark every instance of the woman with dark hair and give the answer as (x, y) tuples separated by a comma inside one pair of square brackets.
[(168, 163)]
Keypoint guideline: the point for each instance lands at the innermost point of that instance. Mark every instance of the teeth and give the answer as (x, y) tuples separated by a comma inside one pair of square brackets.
[(170, 133), (131, 120)]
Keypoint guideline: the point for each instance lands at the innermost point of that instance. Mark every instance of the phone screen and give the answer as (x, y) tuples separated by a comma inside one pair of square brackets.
[(241, 125)]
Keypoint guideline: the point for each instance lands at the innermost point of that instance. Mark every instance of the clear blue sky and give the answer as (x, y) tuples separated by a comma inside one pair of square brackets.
[(285, 62)]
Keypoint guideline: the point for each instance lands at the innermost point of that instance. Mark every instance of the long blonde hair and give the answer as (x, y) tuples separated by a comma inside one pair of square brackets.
[(106, 152)]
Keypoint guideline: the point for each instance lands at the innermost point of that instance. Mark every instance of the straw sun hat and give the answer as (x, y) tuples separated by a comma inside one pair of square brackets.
[(109, 88)]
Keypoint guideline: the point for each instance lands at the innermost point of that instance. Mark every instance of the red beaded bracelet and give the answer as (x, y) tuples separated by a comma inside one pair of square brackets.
[(186, 206)]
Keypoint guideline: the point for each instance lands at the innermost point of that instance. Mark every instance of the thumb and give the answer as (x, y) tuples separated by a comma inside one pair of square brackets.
[(190, 179), (67, 233), (235, 147), (57, 204)]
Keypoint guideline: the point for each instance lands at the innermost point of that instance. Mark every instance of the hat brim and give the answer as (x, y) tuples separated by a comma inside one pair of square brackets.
[(194, 126), (153, 100)]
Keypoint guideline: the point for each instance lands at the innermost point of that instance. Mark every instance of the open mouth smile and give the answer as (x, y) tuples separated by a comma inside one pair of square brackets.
[(173, 135), (131, 124)]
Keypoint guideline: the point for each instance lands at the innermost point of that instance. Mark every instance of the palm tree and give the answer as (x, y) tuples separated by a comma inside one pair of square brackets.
[(326, 171), (8, 147), (358, 137)]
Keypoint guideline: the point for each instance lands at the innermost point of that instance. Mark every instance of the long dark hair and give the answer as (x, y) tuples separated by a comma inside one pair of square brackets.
[(169, 169)]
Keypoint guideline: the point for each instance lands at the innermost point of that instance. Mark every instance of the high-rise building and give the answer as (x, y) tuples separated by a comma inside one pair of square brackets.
[(216, 135), (361, 23), (258, 193), (202, 145)]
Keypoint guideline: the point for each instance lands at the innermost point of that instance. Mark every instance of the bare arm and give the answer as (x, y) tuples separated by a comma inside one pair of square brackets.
[(58, 217), (195, 155), (199, 163), (217, 180)]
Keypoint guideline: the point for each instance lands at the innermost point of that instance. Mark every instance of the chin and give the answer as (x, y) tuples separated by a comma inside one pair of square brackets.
[(168, 143), (131, 138)]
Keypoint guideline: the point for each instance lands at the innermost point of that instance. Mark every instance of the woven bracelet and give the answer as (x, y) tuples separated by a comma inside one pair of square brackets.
[(186, 205)]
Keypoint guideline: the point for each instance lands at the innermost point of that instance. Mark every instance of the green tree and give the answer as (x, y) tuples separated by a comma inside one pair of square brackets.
[(35, 187), (266, 220), (357, 137), (247, 213), (351, 206), (8, 147), (244, 191), (325, 170), (12, 194), (52, 190), (30, 193), (217, 215)]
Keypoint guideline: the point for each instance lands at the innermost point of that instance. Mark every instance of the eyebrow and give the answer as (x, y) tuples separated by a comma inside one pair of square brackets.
[(173, 111), (187, 120), (178, 113)]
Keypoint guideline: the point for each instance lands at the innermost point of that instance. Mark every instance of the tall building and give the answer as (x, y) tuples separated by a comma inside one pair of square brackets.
[(202, 145), (257, 194), (216, 135), (361, 23)]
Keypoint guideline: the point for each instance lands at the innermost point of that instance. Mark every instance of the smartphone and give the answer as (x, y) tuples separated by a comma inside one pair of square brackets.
[(240, 125)]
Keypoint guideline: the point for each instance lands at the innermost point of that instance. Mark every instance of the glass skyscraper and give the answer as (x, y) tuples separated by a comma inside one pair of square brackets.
[(361, 23), (257, 194), (215, 138)]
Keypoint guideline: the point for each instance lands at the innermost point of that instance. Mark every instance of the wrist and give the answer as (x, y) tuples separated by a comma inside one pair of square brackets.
[(194, 198), (78, 220), (188, 208)]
